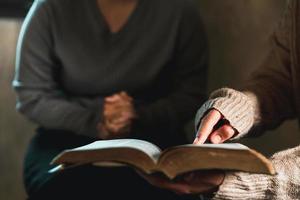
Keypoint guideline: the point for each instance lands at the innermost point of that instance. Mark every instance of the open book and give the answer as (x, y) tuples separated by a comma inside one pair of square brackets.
[(171, 162)]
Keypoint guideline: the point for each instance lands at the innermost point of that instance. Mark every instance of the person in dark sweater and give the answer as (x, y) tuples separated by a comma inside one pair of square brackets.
[(103, 69)]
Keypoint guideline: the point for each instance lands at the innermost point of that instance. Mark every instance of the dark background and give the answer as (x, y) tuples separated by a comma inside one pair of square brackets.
[(13, 8), (238, 32)]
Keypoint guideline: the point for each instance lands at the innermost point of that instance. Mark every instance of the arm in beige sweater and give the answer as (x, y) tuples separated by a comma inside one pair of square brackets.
[(284, 186), (267, 98), (266, 101)]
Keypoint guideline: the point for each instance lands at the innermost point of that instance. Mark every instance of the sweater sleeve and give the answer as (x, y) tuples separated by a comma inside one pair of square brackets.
[(40, 97), (266, 99), (189, 78), (284, 185)]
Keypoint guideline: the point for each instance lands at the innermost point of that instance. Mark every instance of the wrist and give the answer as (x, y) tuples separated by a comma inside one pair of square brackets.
[(235, 106)]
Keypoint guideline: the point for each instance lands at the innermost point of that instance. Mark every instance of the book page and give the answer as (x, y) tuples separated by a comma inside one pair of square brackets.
[(225, 146), (150, 149), (229, 156), (233, 146)]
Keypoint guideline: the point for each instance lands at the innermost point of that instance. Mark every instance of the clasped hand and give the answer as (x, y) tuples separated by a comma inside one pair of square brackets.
[(118, 115)]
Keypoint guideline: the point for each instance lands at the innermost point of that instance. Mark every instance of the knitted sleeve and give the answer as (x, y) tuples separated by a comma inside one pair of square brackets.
[(284, 185), (240, 109), (266, 100), (267, 97)]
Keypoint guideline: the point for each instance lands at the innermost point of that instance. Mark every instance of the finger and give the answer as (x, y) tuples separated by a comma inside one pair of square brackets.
[(222, 134), (123, 103), (126, 116), (186, 188), (117, 124), (126, 96), (116, 114), (114, 129), (202, 181), (120, 121), (118, 104), (123, 93), (113, 98), (206, 181), (117, 121), (119, 129), (178, 188), (111, 113), (207, 126), (116, 109)]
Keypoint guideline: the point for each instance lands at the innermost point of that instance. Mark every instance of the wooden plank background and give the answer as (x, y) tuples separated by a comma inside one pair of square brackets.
[(237, 33)]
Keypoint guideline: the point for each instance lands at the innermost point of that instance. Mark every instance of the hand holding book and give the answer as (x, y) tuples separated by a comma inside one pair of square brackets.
[(191, 168), (204, 181), (214, 128), (171, 162)]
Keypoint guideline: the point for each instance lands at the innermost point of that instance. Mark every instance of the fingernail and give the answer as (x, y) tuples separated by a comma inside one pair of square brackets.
[(217, 139), (196, 141)]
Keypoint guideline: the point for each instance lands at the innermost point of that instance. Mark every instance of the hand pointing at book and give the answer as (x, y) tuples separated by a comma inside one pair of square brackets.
[(214, 128)]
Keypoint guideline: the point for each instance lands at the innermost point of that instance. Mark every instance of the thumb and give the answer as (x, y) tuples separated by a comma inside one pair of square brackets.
[(222, 134)]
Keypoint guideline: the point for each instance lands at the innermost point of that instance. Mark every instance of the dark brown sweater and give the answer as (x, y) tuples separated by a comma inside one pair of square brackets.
[(271, 96)]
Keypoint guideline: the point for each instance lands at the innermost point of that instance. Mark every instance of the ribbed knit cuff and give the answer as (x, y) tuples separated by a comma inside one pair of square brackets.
[(235, 106), (244, 186)]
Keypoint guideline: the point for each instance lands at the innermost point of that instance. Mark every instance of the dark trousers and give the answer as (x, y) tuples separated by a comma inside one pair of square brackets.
[(85, 182)]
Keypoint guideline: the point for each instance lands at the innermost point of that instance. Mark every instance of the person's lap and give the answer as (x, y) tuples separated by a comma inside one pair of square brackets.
[(85, 182)]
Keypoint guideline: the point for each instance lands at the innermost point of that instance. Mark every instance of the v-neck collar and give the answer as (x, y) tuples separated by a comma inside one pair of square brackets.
[(99, 17)]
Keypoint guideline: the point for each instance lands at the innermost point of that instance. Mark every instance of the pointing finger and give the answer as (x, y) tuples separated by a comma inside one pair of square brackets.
[(207, 125)]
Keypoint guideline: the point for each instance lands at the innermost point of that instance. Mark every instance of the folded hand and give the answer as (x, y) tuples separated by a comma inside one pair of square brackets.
[(118, 114)]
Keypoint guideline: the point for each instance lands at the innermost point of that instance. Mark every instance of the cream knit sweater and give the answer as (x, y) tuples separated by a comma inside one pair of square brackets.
[(241, 109), (271, 96)]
